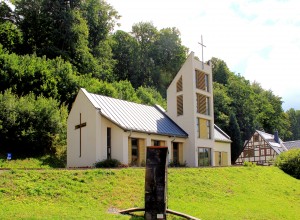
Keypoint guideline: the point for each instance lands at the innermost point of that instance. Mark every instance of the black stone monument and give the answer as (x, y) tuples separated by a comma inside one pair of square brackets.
[(156, 183)]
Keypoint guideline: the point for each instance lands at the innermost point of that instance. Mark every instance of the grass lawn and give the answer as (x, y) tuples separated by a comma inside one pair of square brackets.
[(207, 193)]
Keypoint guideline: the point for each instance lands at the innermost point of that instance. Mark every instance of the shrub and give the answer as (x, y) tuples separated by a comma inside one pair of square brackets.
[(289, 162), (177, 164), (108, 163), (249, 164)]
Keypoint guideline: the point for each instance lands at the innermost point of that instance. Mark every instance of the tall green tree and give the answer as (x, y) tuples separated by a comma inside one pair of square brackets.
[(294, 119), (234, 133), (168, 54), (221, 72), (126, 52), (222, 106), (145, 33)]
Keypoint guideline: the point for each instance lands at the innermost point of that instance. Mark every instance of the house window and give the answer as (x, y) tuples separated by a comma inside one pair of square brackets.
[(156, 143), (203, 128), (108, 138), (262, 152), (249, 153), (179, 105), (202, 104), (204, 156), (175, 152), (268, 152), (179, 85), (256, 138), (202, 81), (134, 151)]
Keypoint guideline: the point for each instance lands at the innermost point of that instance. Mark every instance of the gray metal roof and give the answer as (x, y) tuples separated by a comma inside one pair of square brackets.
[(292, 144), (220, 135), (135, 117), (269, 138)]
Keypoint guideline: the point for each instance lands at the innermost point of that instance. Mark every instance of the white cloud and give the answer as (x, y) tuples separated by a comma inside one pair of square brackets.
[(259, 39)]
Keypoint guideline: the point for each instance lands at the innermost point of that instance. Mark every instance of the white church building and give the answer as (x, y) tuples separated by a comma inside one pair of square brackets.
[(101, 127)]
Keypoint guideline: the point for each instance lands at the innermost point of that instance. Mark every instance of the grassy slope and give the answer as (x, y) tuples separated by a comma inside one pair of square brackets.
[(220, 193)]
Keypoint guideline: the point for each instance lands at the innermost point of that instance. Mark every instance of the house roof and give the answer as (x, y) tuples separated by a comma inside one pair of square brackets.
[(220, 135), (131, 116), (292, 144), (269, 138)]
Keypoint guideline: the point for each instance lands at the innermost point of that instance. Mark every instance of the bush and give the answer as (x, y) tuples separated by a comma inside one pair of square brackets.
[(108, 163), (289, 162), (249, 164), (32, 126), (177, 164)]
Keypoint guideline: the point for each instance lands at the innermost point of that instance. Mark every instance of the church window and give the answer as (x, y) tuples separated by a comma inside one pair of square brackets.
[(202, 81), (179, 105), (179, 85), (202, 104), (204, 128), (108, 134)]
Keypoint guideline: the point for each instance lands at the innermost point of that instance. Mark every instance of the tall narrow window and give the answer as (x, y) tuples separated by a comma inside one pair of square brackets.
[(179, 105), (175, 152), (134, 151), (108, 138), (206, 79), (207, 110), (204, 130), (202, 104), (179, 85), (202, 81)]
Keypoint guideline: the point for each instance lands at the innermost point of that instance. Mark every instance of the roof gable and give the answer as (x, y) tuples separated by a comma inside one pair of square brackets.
[(269, 138), (135, 117), (220, 135)]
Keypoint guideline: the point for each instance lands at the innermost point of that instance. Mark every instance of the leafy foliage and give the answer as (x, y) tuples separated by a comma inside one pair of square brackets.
[(31, 126), (289, 162), (240, 107), (108, 163)]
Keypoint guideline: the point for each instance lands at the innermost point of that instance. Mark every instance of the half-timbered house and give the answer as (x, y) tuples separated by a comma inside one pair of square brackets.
[(262, 148)]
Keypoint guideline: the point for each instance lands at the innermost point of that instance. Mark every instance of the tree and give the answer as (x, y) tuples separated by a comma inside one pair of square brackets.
[(294, 119), (31, 126), (145, 34), (168, 54), (243, 106), (235, 135), (126, 52), (221, 72), (222, 106)]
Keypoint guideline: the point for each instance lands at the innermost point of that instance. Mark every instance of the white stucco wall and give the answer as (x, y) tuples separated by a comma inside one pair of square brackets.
[(88, 133), (224, 147)]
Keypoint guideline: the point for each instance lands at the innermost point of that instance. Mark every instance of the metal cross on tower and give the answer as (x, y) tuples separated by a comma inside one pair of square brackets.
[(202, 51)]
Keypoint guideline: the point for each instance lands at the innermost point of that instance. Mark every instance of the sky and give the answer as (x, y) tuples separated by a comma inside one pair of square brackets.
[(260, 39)]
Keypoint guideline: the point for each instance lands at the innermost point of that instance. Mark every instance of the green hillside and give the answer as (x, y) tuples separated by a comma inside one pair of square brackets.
[(208, 193)]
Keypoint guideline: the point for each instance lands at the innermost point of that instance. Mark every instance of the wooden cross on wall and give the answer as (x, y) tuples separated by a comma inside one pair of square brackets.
[(202, 51), (79, 127)]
